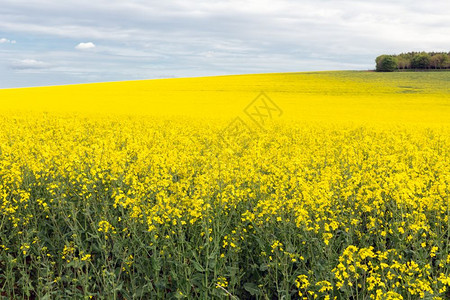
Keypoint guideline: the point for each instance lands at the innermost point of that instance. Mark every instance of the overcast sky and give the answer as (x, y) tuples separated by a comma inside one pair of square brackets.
[(50, 42)]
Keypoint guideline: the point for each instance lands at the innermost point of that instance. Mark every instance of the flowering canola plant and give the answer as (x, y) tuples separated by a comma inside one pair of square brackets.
[(319, 205)]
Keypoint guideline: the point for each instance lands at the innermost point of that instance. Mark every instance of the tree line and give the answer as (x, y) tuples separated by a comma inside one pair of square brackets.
[(413, 61)]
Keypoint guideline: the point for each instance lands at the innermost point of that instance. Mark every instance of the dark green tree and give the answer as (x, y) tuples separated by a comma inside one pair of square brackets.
[(414, 60), (421, 61), (386, 63)]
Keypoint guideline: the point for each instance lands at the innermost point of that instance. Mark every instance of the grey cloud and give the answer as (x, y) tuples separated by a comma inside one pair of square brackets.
[(29, 64), (149, 38)]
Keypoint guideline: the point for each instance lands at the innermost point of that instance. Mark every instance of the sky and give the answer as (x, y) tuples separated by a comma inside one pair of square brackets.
[(48, 42)]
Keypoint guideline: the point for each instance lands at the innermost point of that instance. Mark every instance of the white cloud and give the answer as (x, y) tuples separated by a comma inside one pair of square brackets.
[(27, 64), (85, 46), (6, 41)]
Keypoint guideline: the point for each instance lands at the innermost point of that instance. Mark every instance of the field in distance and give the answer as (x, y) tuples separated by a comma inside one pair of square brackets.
[(319, 96)]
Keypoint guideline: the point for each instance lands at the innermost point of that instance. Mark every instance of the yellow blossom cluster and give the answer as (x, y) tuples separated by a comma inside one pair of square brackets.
[(290, 193)]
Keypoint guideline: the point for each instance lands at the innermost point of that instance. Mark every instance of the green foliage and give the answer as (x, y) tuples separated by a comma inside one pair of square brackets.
[(440, 61), (386, 63), (413, 60), (421, 61)]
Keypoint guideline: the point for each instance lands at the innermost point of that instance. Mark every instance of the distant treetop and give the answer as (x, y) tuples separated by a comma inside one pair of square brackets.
[(413, 61)]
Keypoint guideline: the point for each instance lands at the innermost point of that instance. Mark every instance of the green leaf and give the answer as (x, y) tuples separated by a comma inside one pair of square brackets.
[(252, 288), (46, 296), (264, 267), (197, 266), (139, 292)]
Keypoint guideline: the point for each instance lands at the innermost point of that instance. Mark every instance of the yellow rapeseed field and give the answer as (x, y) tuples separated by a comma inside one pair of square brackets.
[(327, 185)]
